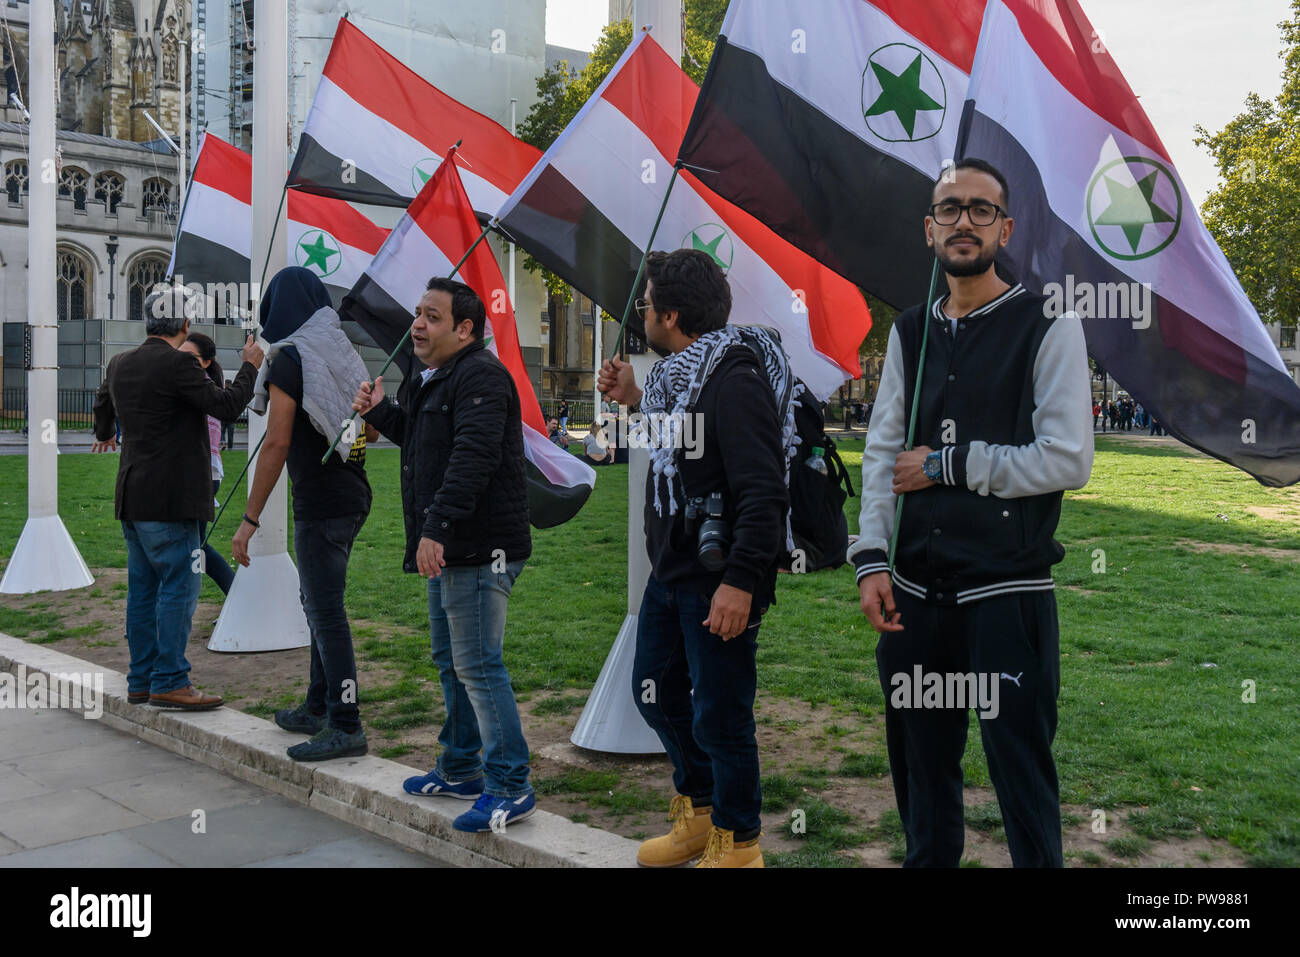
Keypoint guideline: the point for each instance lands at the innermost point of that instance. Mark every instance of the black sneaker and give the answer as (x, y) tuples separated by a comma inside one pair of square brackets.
[(330, 743), (300, 720)]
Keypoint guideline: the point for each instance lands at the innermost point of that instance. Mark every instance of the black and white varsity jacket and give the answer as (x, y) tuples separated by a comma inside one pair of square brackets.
[(1007, 399)]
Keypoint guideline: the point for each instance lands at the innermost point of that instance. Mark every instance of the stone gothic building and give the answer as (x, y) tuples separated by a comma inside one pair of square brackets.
[(117, 60)]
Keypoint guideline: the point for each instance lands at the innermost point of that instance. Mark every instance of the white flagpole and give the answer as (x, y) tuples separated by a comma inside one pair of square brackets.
[(45, 557), (610, 721), (263, 611)]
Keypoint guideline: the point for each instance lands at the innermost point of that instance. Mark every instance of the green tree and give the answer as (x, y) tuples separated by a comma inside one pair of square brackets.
[(1254, 214)]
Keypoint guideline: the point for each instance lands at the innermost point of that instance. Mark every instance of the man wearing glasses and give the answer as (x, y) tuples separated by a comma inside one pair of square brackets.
[(967, 615)]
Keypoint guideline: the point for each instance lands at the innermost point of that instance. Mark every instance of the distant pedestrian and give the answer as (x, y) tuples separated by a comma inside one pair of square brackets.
[(564, 415), (1096, 411)]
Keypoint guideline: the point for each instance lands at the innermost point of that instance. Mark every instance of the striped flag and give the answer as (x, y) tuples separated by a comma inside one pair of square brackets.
[(830, 122), (588, 207), (1105, 226), (377, 131), (430, 239), (213, 239)]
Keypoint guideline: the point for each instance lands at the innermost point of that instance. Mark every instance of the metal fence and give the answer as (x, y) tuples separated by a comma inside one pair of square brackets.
[(76, 409)]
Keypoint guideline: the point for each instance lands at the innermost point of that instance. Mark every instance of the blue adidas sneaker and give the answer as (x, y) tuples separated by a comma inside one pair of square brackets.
[(492, 813), (434, 785)]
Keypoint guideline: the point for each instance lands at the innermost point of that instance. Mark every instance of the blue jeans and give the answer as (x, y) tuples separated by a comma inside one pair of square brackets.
[(218, 570), (323, 546), (163, 577), (709, 735), (467, 626)]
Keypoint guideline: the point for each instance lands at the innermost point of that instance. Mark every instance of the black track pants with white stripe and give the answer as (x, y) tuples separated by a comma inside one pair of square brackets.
[(1012, 639)]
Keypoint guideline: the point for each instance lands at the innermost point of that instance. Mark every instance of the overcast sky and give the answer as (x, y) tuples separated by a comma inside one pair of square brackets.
[(1191, 61)]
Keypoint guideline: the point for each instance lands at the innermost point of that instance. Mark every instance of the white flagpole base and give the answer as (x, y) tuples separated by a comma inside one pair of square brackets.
[(263, 611), (610, 722), (45, 559)]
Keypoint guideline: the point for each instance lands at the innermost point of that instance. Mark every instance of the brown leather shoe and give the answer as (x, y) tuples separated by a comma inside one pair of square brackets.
[(188, 698), (137, 697)]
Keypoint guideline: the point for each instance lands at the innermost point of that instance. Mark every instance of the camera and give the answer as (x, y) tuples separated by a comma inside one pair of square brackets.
[(714, 538)]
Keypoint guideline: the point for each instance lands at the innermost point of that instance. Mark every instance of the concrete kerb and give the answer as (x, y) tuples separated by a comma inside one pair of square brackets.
[(365, 792)]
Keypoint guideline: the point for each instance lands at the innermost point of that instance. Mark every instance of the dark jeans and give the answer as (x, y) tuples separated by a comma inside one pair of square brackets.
[(708, 735), (323, 547), (228, 434), (1007, 635), (213, 562)]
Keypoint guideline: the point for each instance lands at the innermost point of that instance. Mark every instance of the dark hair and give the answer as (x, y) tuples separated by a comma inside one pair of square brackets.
[(690, 283), (465, 303), (984, 166), (208, 351)]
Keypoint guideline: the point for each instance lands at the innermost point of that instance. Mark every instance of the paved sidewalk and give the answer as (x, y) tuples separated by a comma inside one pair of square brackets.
[(77, 793)]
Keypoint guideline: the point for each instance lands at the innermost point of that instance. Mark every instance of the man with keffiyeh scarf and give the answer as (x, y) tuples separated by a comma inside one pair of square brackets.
[(695, 676)]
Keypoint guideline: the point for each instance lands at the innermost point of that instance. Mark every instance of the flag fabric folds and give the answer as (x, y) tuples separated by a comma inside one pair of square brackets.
[(831, 121), (213, 238), (587, 209), (377, 130), (430, 239), (1105, 227)]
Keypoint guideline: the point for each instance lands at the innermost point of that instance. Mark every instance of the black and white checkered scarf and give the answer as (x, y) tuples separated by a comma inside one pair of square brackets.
[(674, 386)]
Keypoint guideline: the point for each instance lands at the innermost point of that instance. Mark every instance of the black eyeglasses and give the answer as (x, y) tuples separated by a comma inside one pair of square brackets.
[(642, 305), (980, 214)]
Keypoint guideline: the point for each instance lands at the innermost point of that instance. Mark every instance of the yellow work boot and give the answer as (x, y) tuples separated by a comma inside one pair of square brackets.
[(723, 851), (686, 839)]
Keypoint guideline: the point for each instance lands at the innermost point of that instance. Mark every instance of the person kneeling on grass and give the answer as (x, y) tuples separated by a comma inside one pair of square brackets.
[(466, 509), (309, 356)]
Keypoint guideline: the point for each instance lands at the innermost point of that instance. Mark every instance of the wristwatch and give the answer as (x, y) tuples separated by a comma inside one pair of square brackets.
[(933, 467)]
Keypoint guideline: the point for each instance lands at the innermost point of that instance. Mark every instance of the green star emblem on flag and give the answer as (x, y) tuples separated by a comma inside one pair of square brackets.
[(713, 239), (902, 82), (1145, 205), (314, 251)]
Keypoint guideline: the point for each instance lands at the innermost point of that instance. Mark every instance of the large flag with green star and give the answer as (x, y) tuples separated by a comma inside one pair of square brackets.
[(1105, 227), (588, 208), (830, 122), (377, 130), (214, 237)]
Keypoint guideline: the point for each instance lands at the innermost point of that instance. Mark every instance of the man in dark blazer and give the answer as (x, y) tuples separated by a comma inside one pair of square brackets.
[(161, 397)]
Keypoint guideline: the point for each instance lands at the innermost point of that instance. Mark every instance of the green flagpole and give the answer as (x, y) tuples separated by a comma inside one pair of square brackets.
[(636, 284), (916, 403), (402, 342)]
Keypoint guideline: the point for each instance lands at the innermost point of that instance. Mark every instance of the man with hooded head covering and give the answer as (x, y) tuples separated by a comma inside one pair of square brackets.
[(309, 380)]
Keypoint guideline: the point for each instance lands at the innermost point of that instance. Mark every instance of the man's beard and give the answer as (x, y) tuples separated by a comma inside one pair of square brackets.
[(972, 267)]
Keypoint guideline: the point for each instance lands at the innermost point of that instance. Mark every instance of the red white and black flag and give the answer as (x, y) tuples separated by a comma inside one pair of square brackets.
[(213, 240), (1105, 227), (831, 121), (377, 130), (589, 206), (430, 239)]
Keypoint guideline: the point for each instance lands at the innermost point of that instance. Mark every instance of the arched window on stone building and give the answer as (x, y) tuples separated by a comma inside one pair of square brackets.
[(72, 295), (72, 182), (16, 180), (157, 194), (109, 187), (145, 273)]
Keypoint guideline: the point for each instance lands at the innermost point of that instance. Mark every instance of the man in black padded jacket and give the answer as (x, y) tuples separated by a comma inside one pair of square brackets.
[(466, 510)]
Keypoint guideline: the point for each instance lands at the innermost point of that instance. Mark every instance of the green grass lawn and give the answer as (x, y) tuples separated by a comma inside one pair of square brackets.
[(1197, 603)]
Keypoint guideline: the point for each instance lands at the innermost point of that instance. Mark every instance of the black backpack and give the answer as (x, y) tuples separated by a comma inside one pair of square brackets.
[(821, 532), (817, 522)]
